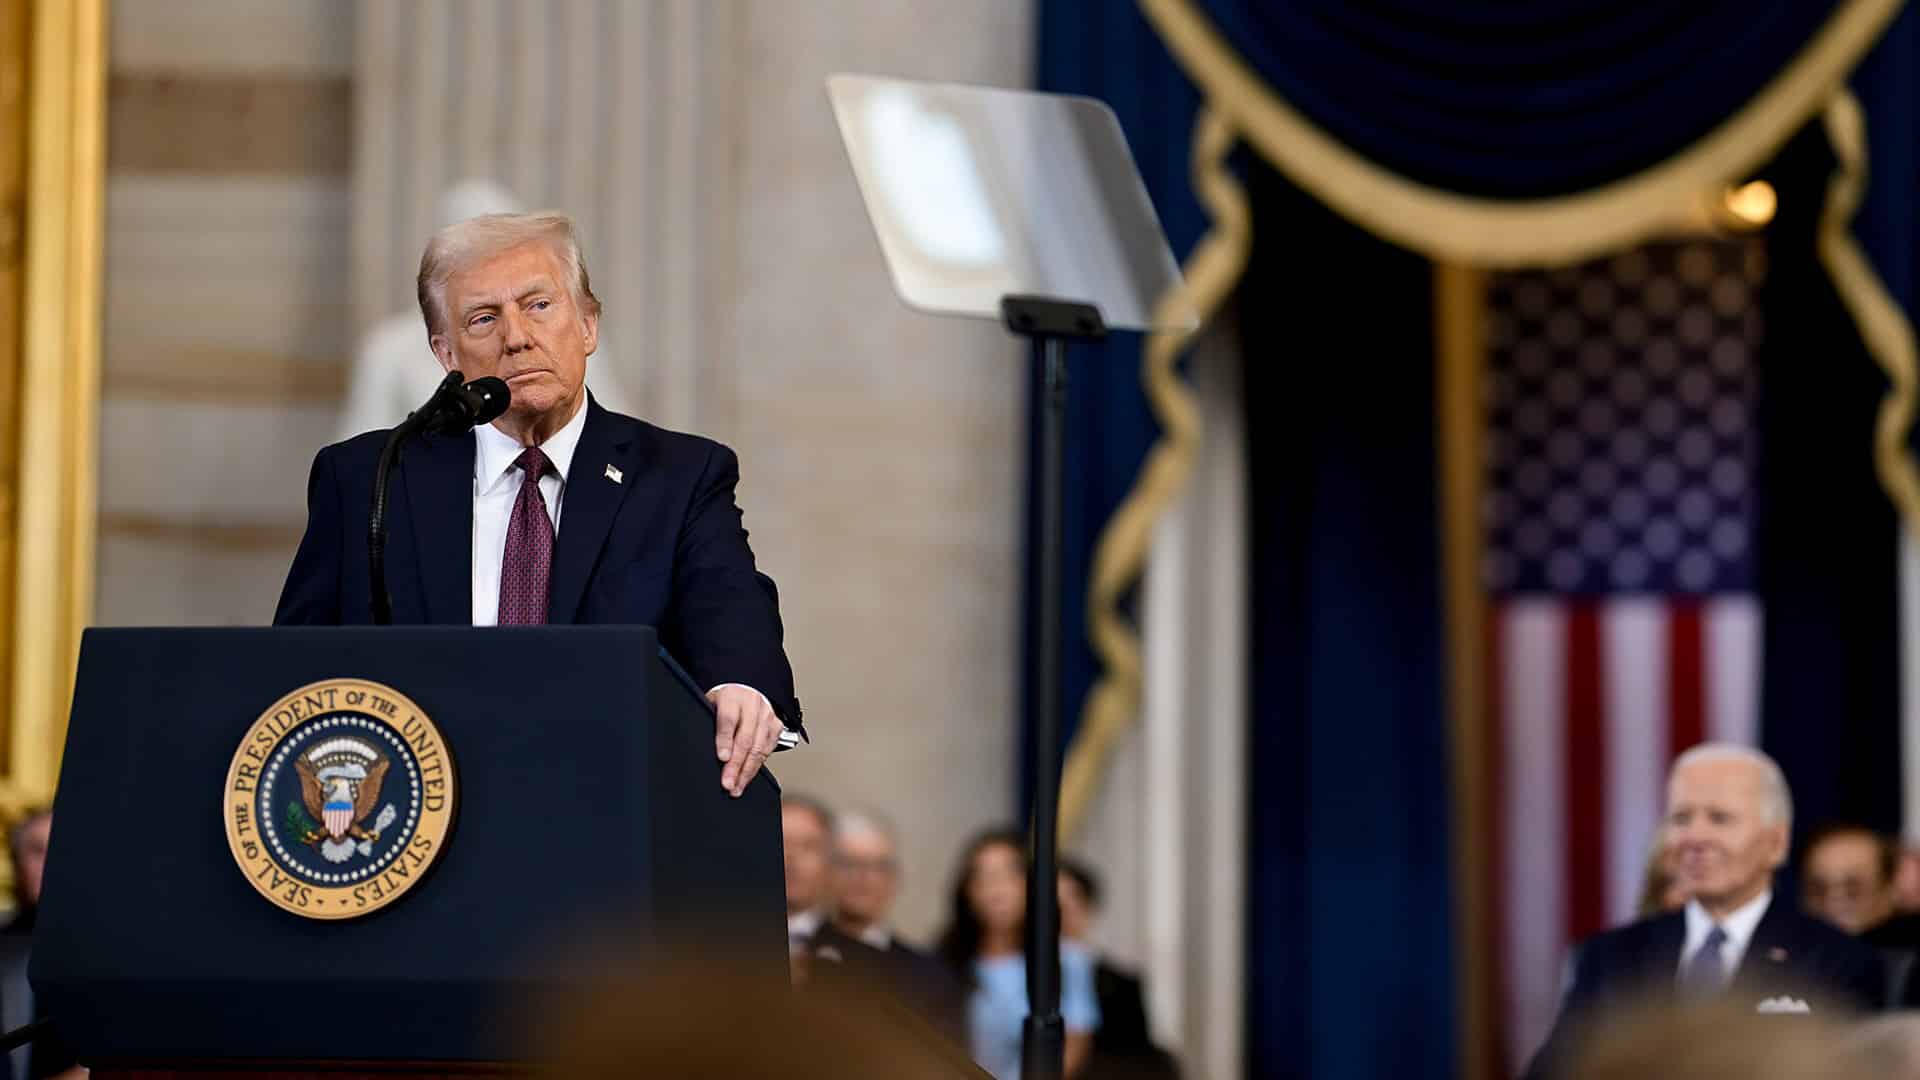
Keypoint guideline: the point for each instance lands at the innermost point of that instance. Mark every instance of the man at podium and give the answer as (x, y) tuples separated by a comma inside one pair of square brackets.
[(559, 511)]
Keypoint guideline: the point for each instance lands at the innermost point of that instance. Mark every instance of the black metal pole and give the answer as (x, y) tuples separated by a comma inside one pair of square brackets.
[(1044, 1039), (381, 600)]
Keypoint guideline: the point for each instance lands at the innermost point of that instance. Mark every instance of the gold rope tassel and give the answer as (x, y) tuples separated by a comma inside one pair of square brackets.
[(1883, 326), (1211, 273)]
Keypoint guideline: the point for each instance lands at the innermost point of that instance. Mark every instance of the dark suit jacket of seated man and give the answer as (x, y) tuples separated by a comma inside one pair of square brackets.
[(1775, 958), (648, 529)]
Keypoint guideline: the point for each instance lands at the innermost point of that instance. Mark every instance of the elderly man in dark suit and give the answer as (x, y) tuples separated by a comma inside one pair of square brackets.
[(559, 511), (1729, 815)]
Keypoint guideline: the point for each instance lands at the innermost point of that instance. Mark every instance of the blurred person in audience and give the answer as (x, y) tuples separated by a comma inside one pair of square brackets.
[(1660, 888), (46, 1056), (1123, 1044), (1729, 814), (857, 941), (688, 1012), (1846, 877), (806, 831), (1906, 881), (984, 945)]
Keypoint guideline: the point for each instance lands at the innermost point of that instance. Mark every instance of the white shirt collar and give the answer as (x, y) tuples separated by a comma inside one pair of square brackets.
[(495, 451), (1738, 926), (804, 924)]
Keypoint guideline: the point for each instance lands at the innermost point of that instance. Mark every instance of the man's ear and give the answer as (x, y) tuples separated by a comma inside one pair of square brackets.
[(442, 350), (1781, 844), (590, 330)]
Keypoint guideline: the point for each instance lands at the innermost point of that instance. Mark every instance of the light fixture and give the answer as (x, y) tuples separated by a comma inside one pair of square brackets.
[(1751, 205)]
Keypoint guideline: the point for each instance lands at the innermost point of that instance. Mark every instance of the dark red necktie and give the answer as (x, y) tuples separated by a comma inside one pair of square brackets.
[(528, 560)]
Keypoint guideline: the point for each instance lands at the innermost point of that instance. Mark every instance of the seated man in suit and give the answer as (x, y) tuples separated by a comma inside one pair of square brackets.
[(1846, 877), (559, 511), (857, 941), (1729, 815), (806, 843), (1123, 1043)]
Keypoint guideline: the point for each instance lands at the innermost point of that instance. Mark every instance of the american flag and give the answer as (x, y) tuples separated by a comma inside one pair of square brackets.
[(1623, 622)]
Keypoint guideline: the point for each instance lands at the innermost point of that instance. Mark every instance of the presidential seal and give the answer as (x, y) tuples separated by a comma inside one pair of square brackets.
[(339, 799)]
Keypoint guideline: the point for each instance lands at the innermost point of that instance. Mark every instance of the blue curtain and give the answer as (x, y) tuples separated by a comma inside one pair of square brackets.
[(1349, 946), (1496, 98)]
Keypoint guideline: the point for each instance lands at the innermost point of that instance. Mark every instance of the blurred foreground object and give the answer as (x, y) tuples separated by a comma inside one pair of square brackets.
[(689, 1017), (1713, 1041)]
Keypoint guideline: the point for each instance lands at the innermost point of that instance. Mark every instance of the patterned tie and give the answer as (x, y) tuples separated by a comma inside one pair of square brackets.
[(1706, 972), (528, 560)]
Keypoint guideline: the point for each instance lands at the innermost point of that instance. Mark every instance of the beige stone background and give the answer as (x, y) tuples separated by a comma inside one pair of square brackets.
[(273, 169)]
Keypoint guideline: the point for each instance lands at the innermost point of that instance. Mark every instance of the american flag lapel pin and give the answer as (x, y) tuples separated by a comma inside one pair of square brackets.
[(614, 474), (1777, 954)]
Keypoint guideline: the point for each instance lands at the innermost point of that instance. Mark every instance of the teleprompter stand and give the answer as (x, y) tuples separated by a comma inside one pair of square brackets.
[(1048, 325)]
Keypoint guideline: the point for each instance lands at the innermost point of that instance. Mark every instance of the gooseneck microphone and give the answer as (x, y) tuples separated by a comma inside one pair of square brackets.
[(455, 408)]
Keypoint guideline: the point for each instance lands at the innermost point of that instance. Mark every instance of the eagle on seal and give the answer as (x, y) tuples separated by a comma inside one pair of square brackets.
[(340, 783)]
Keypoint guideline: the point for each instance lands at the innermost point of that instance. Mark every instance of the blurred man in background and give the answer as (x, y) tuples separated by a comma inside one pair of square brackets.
[(46, 1056), (1729, 815), (857, 942), (1123, 1043), (1846, 877), (806, 831)]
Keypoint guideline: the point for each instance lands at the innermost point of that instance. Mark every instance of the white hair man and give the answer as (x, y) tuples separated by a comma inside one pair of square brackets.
[(858, 943), (559, 511), (1729, 819)]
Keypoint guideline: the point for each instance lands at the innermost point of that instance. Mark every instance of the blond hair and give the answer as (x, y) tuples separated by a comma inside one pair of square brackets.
[(464, 243)]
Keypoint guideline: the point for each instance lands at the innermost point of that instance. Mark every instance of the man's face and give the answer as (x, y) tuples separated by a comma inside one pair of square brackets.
[(1844, 885), (1723, 852), (514, 317), (866, 877), (806, 858), (31, 860)]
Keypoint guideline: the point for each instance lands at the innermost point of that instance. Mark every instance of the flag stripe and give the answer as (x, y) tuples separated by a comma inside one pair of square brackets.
[(1532, 693), (1732, 634), (1501, 901), (1686, 702), (1586, 775), (1634, 663)]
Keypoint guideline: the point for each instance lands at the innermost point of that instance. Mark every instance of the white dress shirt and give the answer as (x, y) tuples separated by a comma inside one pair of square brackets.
[(496, 487), (1738, 927)]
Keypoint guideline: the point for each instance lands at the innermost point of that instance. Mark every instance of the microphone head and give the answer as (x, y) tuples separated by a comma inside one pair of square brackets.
[(489, 397)]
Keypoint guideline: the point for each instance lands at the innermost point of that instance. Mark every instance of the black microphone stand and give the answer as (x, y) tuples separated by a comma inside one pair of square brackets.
[(1048, 325)]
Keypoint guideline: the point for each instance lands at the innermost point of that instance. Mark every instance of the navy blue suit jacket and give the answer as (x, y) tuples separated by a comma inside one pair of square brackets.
[(663, 546), (1791, 954)]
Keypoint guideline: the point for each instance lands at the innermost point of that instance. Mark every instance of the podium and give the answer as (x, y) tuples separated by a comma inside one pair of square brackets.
[(585, 804)]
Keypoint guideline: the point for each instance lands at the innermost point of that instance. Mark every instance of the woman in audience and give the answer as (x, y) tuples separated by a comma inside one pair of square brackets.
[(984, 944)]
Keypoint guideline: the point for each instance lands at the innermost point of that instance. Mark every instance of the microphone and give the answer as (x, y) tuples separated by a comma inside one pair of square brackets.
[(454, 409), (456, 406)]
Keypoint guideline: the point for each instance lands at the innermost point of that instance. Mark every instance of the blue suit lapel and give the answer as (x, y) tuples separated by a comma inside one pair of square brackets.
[(1774, 939), (587, 510), (439, 492)]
